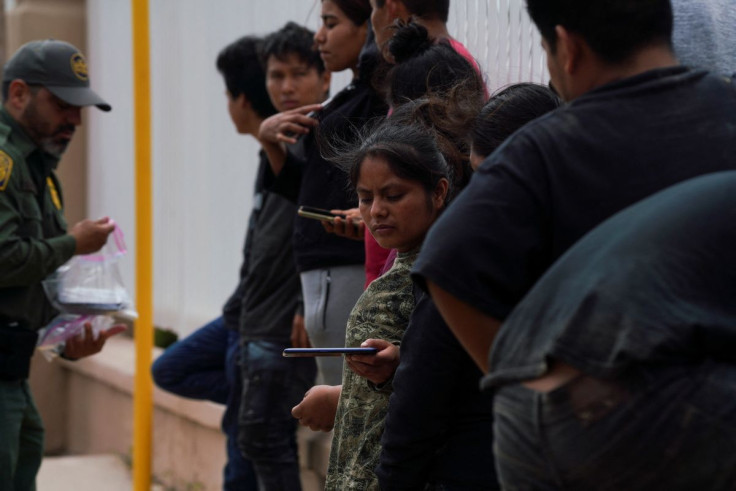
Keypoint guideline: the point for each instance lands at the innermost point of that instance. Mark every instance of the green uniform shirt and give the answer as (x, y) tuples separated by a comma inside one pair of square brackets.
[(33, 239)]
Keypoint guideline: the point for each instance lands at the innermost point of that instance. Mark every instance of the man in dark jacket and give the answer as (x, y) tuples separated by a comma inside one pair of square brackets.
[(636, 122)]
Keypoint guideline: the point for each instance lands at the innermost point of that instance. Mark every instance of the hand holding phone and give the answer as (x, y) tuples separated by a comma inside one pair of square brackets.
[(343, 223), (378, 368), (306, 352), (318, 214)]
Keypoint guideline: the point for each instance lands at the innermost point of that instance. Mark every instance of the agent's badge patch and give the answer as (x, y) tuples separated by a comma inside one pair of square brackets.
[(79, 66), (6, 167), (54, 193)]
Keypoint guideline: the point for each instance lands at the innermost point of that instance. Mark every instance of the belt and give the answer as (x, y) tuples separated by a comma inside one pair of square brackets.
[(17, 345)]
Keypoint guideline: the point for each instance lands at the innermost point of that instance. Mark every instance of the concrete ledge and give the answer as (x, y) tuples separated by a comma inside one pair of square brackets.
[(115, 367), (188, 446)]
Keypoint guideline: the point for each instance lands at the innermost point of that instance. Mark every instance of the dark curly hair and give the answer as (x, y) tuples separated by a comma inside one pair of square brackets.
[(240, 65), (292, 39), (614, 29)]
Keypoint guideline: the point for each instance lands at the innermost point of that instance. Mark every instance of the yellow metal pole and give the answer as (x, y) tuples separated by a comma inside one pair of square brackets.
[(143, 393)]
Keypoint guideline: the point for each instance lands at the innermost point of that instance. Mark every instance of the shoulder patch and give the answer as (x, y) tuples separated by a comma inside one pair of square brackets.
[(6, 168), (54, 193)]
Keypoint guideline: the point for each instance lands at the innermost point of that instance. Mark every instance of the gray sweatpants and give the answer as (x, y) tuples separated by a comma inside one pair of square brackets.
[(329, 296)]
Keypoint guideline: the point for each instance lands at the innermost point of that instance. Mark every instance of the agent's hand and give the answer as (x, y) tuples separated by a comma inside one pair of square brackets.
[(299, 337), (318, 408), (287, 126), (86, 344), (91, 235), (350, 227), (377, 368)]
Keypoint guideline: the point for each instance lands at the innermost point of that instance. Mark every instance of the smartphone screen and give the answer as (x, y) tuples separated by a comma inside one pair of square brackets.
[(292, 352)]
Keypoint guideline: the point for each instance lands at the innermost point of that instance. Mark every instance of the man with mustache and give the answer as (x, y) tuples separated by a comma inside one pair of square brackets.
[(44, 86)]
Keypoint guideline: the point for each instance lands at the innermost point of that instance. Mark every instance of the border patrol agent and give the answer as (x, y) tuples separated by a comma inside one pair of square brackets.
[(45, 84)]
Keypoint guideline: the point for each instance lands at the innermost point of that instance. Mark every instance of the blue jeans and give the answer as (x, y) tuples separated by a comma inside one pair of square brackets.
[(204, 365), (665, 428), (272, 385)]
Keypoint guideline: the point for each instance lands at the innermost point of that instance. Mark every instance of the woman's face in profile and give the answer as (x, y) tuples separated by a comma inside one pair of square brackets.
[(339, 41)]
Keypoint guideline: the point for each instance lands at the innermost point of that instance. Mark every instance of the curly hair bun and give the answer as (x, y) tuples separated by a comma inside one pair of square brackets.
[(409, 40)]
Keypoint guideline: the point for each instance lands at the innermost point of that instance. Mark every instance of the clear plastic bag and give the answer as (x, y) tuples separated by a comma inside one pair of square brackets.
[(53, 337), (91, 284), (86, 289)]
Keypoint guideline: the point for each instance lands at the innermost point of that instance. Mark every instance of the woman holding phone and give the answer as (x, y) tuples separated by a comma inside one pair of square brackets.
[(330, 267), (436, 434), (403, 183)]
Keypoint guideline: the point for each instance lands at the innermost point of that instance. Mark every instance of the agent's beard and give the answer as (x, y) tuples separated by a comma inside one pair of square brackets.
[(55, 145), (50, 140)]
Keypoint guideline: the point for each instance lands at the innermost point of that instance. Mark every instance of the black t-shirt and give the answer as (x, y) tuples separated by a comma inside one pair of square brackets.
[(564, 173), (322, 184), (655, 284), (264, 303), (438, 422)]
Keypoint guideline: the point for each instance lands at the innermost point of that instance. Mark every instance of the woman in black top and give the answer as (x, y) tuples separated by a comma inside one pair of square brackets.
[(439, 424), (331, 267)]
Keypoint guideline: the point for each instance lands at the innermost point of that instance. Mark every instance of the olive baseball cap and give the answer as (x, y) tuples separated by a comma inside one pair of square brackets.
[(59, 67)]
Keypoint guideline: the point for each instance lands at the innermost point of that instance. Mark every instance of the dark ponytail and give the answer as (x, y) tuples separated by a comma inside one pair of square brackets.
[(409, 40), (425, 66)]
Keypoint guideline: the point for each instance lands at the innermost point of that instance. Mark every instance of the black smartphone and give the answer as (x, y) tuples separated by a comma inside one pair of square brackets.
[(90, 308), (293, 352), (318, 214)]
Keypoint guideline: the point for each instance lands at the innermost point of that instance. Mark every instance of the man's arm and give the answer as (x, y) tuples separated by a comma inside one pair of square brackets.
[(25, 260), (473, 329), (319, 407), (299, 337)]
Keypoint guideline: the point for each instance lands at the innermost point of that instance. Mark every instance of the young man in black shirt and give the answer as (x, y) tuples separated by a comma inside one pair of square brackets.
[(636, 123), (643, 306), (256, 321)]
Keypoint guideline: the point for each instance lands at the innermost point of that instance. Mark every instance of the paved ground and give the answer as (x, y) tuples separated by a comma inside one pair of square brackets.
[(104, 473), (85, 473)]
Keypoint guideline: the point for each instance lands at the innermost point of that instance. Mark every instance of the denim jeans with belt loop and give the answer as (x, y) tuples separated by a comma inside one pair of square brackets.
[(272, 386), (670, 428)]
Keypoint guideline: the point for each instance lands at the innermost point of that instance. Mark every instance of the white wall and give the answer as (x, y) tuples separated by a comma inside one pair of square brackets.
[(203, 171)]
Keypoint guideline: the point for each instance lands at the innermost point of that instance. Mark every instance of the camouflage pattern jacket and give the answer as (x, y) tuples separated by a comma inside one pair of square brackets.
[(382, 312)]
